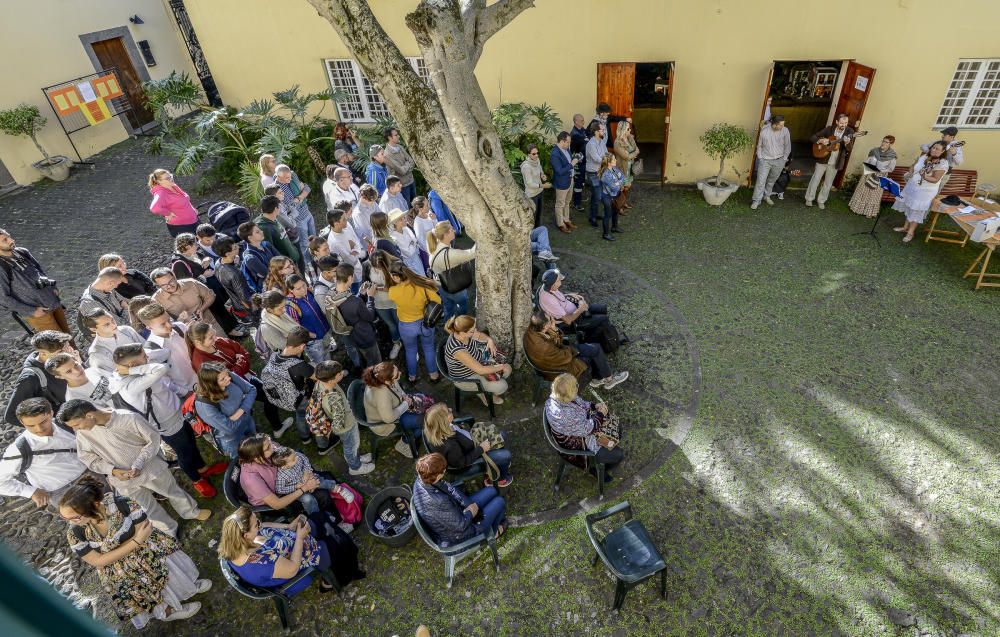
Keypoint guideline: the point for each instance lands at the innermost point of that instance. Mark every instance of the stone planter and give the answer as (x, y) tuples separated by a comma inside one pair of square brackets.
[(716, 195), (57, 169)]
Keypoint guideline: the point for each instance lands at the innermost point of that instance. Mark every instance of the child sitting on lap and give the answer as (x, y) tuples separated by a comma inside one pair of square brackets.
[(293, 468)]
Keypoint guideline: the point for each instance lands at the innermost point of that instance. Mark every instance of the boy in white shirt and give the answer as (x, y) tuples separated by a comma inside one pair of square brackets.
[(108, 336), (343, 241), (392, 198), (168, 335), (82, 382), (362, 214)]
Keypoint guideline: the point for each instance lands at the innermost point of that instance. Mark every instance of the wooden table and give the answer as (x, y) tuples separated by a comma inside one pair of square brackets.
[(967, 224)]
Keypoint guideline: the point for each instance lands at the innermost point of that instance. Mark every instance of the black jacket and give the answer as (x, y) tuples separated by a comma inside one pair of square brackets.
[(459, 451), (29, 385), (232, 281), (358, 316), (135, 283)]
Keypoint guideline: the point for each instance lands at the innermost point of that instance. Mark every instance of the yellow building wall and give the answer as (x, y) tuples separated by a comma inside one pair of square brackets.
[(722, 50), (40, 46)]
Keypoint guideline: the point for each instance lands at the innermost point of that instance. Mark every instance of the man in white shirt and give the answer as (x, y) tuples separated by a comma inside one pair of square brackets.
[(955, 155), (343, 241), (339, 186), (168, 335), (773, 148), (392, 199), (108, 336), (81, 382), (42, 462)]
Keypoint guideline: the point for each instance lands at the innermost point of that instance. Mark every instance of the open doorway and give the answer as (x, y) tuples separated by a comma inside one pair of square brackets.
[(642, 91), (809, 94)]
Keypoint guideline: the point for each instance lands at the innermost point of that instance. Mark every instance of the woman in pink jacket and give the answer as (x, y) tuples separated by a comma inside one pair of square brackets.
[(171, 202)]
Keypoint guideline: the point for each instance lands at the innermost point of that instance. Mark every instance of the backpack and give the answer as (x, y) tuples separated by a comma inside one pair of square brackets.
[(333, 315), (259, 345), (226, 217), (256, 286), (609, 339), (121, 403), (189, 413), (279, 388), (28, 454), (316, 417)]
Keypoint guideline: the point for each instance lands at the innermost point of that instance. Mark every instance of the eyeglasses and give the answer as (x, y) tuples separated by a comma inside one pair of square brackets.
[(75, 518), (167, 286), (534, 152)]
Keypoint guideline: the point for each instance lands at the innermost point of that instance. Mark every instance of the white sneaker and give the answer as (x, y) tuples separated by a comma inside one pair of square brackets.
[(781, 196), (822, 206), (616, 380), (187, 610), (204, 585), (546, 255), (367, 467), (286, 424), (753, 205), (394, 352), (809, 203), (768, 201), (365, 458), (345, 527), (598, 382), (403, 448)]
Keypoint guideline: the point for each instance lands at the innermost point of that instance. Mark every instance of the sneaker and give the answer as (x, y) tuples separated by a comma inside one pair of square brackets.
[(809, 203), (333, 345), (345, 527), (367, 467), (286, 424), (365, 458), (216, 469), (598, 382), (203, 514), (186, 610), (546, 255), (203, 585), (781, 196), (205, 489), (616, 380), (822, 206), (394, 352), (754, 204), (403, 449), (768, 201)]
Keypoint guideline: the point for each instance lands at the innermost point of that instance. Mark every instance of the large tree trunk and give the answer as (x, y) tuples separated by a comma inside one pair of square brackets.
[(451, 137)]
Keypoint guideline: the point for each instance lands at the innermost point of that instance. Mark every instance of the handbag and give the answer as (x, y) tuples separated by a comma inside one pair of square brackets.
[(348, 502), (454, 280), (482, 431), (420, 403), (492, 470), (637, 167), (432, 312), (607, 426)]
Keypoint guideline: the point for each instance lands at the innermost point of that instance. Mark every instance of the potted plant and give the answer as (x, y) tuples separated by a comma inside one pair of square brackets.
[(721, 142), (25, 119)]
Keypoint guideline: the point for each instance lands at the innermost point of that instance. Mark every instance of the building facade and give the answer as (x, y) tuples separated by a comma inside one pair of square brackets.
[(62, 43)]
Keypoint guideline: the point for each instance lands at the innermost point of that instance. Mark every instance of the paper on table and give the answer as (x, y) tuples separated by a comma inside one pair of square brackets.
[(966, 210)]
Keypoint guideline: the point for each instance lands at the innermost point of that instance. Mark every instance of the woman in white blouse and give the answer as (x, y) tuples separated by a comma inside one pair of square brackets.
[(405, 240)]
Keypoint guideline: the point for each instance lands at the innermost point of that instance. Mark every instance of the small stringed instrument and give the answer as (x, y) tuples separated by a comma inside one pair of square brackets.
[(822, 151)]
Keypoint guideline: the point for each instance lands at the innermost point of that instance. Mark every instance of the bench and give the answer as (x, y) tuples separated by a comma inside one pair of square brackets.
[(961, 183)]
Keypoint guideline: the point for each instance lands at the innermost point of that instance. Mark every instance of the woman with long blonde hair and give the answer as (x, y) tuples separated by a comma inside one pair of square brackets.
[(626, 150), (378, 273), (446, 437), (267, 163), (612, 180), (411, 293), (279, 269), (443, 257)]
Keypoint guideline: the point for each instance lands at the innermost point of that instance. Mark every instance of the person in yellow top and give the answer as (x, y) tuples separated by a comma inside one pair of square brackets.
[(411, 293)]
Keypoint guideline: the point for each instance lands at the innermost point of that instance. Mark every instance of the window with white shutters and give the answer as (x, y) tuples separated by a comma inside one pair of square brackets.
[(362, 101), (973, 97)]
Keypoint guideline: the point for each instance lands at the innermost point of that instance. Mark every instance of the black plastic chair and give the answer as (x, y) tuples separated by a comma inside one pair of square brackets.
[(543, 376), (235, 496), (628, 552), (459, 477), (282, 600), (589, 458), (453, 554), (356, 399), (443, 369)]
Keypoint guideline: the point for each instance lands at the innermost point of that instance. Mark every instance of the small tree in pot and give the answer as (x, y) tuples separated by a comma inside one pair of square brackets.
[(721, 142), (24, 119)]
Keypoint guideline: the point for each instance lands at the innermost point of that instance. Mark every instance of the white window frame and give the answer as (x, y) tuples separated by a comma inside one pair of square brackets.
[(369, 100), (969, 102)]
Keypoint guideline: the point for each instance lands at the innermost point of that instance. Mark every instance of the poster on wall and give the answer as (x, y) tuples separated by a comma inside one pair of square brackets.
[(861, 83)]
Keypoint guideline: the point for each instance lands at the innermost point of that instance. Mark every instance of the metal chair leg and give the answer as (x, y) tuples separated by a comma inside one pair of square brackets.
[(282, 608), (496, 556), (620, 591), (489, 404)]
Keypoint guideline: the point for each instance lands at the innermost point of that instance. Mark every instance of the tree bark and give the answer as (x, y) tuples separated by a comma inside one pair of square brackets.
[(451, 136)]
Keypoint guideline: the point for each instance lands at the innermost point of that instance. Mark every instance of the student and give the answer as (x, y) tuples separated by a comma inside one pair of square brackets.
[(362, 213), (343, 241), (275, 323), (383, 236), (168, 335), (318, 248), (375, 172), (443, 257), (288, 379), (144, 388), (225, 402), (184, 299), (339, 187), (135, 283), (391, 198), (302, 307), (411, 293), (207, 235), (333, 417), (47, 454), (87, 383), (423, 220), (231, 279), (108, 336), (121, 445), (296, 194), (256, 256), (406, 241), (34, 381), (284, 212), (400, 164), (274, 234), (102, 294), (26, 291), (326, 282), (362, 339)]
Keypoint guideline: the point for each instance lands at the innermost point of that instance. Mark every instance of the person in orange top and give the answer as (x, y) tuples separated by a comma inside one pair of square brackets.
[(411, 293)]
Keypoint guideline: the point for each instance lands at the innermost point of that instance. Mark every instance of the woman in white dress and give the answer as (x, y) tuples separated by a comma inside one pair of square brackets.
[(923, 183)]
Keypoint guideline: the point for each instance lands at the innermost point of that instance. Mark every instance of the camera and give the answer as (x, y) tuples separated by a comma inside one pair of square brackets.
[(578, 157), (44, 282)]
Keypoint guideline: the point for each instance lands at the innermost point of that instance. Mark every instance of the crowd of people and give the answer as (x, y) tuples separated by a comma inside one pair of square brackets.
[(163, 357)]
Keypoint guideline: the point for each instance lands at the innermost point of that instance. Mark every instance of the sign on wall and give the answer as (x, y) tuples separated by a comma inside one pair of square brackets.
[(88, 101)]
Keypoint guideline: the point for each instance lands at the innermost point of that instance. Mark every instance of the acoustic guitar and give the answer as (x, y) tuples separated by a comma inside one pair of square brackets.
[(822, 151)]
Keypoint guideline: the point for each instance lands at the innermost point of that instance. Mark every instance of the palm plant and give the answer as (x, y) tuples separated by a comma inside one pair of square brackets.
[(520, 124)]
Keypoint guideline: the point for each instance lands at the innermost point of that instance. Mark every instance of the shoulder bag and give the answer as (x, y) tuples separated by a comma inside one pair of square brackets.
[(454, 280), (432, 312)]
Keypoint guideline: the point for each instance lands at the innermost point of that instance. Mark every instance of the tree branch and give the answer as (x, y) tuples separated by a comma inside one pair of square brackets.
[(495, 17)]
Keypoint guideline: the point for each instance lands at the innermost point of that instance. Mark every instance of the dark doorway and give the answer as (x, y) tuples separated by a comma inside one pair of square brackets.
[(803, 92), (112, 54)]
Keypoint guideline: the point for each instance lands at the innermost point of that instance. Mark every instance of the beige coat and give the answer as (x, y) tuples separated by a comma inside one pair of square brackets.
[(190, 297), (384, 405)]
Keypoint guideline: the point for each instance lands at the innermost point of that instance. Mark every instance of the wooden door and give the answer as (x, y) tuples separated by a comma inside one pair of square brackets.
[(760, 125), (616, 87), (666, 123), (854, 92), (111, 53)]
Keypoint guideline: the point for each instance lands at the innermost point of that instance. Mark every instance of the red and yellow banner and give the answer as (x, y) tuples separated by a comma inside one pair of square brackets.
[(88, 97)]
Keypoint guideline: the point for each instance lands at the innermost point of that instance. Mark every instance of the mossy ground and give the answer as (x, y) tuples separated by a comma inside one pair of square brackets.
[(841, 467)]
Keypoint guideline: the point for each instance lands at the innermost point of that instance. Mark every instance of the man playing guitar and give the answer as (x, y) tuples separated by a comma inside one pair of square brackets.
[(954, 153), (838, 138)]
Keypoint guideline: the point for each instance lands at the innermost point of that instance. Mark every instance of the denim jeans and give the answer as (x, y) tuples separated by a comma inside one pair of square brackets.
[(308, 500), (347, 343), (491, 509), (540, 240), (593, 356), (316, 350), (595, 194), (503, 459), (388, 317), (415, 336), (230, 445), (350, 440), (455, 304), (300, 423), (610, 214), (307, 228), (412, 423)]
